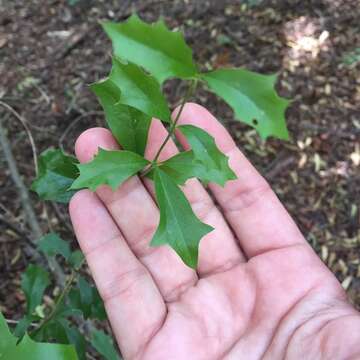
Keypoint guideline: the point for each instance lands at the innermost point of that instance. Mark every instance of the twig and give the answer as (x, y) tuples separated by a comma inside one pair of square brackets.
[(278, 167), (73, 123), (25, 198), (11, 226), (66, 289), (173, 124), (9, 321), (24, 194), (28, 132)]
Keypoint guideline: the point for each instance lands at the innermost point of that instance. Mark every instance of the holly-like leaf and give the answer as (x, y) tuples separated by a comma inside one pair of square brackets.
[(183, 166), (31, 350), (34, 282), (6, 338), (57, 172), (51, 245), (104, 344), (203, 145), (128, 125), (138, 89), (162, 52), (109, 167), (178, 227), (253, 99)]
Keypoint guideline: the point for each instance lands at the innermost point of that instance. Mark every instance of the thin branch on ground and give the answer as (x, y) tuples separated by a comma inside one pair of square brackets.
[(36, 232), (72, 125)]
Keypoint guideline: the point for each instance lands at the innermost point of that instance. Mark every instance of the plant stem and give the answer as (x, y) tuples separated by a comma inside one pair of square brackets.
[(58, 303), (188, 94)]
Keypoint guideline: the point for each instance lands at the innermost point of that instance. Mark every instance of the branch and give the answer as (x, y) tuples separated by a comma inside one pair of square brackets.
[(36, 231)]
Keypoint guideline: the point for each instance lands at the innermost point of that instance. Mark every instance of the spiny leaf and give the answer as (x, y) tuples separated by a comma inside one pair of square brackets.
[(178, 227), (57, 172), (205, 150), (31, 350), (183, 166), (6, 338), (162, 52), (103, 343), (138, 89), (34, 282), (253, 98), (51, 245), (110, 168), (128, 125)]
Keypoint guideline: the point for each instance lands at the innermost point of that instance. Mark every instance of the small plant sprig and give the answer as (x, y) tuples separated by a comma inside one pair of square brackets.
[(43, 324), (145, 56)]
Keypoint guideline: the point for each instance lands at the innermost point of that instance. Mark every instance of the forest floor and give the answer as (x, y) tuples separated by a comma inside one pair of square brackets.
[(50, 50)]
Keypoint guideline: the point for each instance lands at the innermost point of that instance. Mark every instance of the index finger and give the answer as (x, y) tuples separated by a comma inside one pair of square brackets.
[(252, 209)]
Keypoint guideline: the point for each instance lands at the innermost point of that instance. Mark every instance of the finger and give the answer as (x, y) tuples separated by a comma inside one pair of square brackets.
[(254, 212), (218, 250), (137, 216), (133, 303)]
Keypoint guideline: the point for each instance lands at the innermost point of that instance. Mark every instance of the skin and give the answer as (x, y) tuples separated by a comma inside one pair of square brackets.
[(260, 291)]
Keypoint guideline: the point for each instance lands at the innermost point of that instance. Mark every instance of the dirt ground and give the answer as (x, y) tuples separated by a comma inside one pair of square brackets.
[(50, 50)]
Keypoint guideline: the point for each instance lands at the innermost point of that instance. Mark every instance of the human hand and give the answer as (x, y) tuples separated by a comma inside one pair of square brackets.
[(259, 291)]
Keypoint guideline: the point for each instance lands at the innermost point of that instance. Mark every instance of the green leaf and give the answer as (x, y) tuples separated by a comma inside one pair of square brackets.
[(138, 89), (87, 299), (52, 245), (76, 259), (162, 52), (183, 166), (31, 350), (57, 172), (24, 323), (104, 344), (253, 99), (129, 126), (178, 227), (74, 337), (109, 167), (34, 282), (203, 145), (6, 338)]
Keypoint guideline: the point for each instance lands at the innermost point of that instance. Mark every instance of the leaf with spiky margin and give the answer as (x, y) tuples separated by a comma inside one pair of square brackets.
[(217, 169), (6, 338), (162, 52), (137, 89), (57, 172), (128, 125), (31, 350), (253, 99), (179, 227), (183, 166), (109, 167)]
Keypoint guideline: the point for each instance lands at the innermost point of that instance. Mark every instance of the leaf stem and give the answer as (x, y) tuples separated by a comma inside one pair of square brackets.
[(187, 96), (66, 289)]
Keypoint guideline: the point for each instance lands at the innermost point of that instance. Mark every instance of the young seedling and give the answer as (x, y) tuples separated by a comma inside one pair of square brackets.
[(145, 56)]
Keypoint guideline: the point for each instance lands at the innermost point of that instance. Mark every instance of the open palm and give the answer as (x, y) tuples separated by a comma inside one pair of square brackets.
[(259, 291)]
